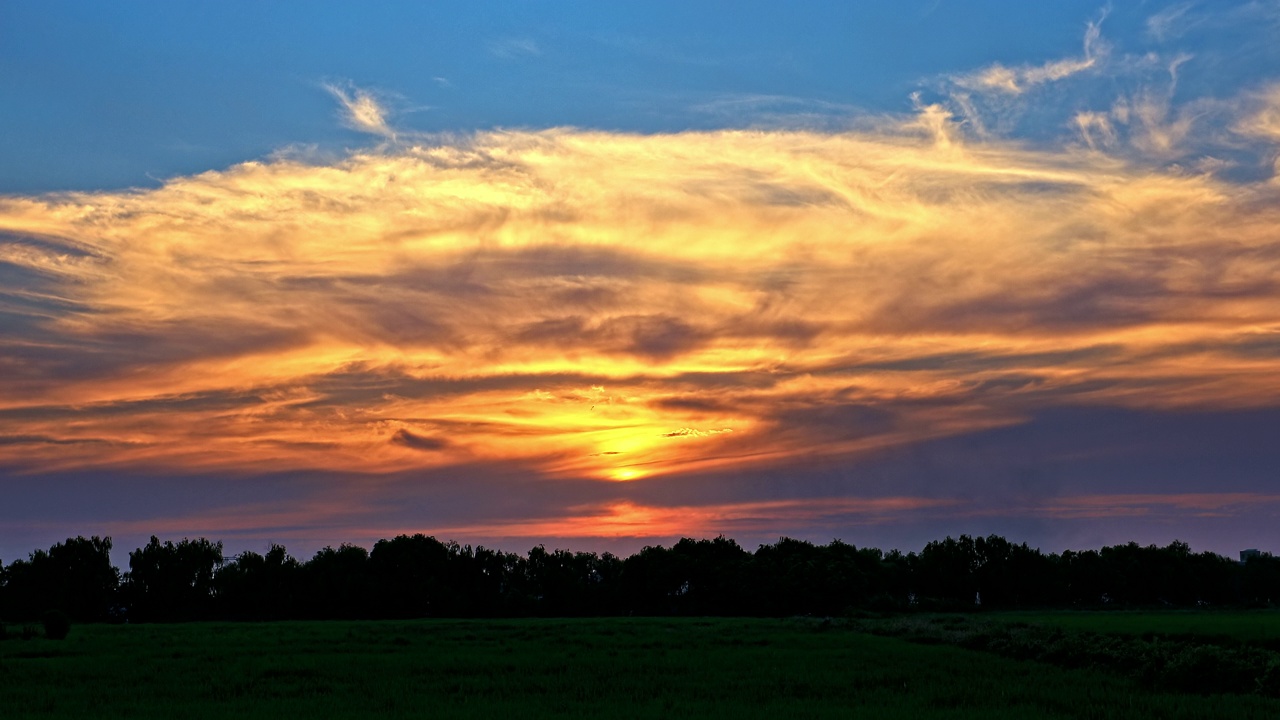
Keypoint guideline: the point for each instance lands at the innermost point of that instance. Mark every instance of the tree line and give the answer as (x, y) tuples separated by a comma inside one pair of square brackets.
[(414, 576)]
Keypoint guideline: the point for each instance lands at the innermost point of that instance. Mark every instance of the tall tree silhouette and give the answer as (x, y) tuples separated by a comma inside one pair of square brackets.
[(409, 575), (75, 577), (946, 572), (335, 583), (172, 581), (256, 587)]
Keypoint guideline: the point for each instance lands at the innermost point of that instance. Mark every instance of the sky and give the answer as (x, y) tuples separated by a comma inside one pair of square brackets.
[(600, 276)]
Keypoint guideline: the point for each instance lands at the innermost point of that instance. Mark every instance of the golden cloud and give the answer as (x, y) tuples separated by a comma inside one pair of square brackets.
[(619, 306)]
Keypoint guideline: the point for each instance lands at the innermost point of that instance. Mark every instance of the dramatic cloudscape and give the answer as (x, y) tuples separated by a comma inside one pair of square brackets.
[(600, 278)]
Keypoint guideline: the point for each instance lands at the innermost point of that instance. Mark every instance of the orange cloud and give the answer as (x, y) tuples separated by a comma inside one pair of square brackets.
[(617, 306)]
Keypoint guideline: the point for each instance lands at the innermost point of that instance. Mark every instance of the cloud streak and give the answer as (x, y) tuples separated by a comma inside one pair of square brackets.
[(998, 78), (361, 110), (514, 48)]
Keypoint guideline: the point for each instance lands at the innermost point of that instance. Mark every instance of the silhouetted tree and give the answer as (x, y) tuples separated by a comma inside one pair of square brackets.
[(254, 587), (946, 572), (1086, 578), (408, 575), (713, 577), (1011, 575), (336, 584), (172, 581), (499, 584), (562, 582), (419, 576), (1260, 580), (893, 591), (651, 582), (75, 577)]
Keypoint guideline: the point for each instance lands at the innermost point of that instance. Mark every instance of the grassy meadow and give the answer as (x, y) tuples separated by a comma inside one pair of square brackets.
[(615, 667), (1248, 626)]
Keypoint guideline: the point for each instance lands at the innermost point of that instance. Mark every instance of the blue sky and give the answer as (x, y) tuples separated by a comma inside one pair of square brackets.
[(600, 274), (109, 95)]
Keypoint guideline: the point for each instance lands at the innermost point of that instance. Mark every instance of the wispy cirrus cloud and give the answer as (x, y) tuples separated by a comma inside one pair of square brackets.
[(361, 110), (778, 111), (1261, 114), (512, 48), (1000, 78), (1128, 101), (1169, 23)]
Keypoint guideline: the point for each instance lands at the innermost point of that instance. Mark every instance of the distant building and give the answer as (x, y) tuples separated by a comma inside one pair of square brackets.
[(1250, 553)]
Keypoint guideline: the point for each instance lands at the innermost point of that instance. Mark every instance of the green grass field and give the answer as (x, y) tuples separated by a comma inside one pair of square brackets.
[(623, 668), (1250, 626)]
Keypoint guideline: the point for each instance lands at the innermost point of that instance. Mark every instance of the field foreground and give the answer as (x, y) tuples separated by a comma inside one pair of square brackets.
[(625, 668)]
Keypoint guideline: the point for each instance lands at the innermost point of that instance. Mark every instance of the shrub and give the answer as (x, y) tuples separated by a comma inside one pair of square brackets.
[(1208, 669), (56, 624)]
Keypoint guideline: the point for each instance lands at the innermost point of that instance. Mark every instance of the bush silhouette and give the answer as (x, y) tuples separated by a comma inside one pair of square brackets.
[(56, 624)]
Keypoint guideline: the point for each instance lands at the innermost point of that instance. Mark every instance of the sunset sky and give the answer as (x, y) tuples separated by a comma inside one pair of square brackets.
[(605, 275)]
